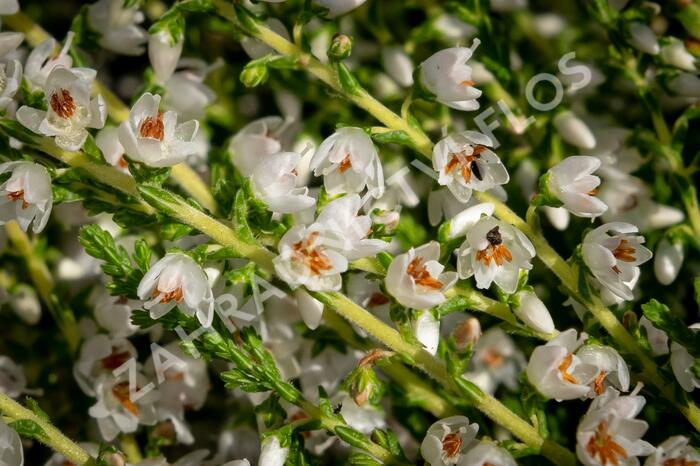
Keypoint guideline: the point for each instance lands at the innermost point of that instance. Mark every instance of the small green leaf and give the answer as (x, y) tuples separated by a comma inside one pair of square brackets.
[(30, 429), (348, 82)]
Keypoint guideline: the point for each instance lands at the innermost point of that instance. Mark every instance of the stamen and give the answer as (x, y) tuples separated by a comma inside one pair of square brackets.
[(421, 276), (18, 196), (312, 257), (564, 366), (603, 446), (467, 163), (492, 358), (168, 296), (345, 164), (153, 127), (115, 359), (624, 252), (598, 386), (495, 251), (451, 444), (468, 82), (63, 104), (377, 299), (121, 393)]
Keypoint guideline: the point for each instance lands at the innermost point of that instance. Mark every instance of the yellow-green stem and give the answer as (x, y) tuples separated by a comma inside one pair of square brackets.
[(54, 438), (190, 181), (44, 283), (131, 449)]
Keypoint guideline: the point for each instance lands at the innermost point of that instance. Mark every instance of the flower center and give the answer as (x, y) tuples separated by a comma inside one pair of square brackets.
[(679, 462), (624, 252), (468, 82), (603, 446), (18, 196), (564, 366), (168, 296), (345, 164), (495, 251), (492, 358), (121, 392), (153, 127), (451, 444), (377, 299), (421, 276), (311, 256), (116, 359), (466, 163), (598, 386), (62, 103)]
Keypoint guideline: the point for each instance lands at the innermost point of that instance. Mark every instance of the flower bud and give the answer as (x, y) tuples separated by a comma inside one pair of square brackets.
[(574, 131), (254, 75), (399, 65), (643, 38), (363, 385), (466, 333), (25, 303), (164, 53), (340, 48), (686, 85), (558, 216), (532, 311), (115, 459), (426, 329), (668, 261), (677, 55)]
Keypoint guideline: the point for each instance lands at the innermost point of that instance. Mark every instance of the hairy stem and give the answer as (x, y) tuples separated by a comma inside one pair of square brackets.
[(53, 438)]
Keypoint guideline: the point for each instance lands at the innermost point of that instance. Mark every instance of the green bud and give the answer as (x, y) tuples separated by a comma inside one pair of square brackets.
[(545, 196), (255, 75), (340, 48)]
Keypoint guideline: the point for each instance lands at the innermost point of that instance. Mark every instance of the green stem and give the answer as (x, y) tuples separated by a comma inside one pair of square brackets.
[(44, 283), (131, 449), (53, 438), (191, 182)]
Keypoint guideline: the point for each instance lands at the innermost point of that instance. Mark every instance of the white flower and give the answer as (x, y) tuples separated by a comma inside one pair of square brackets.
[(618, 159), (164, 54), (494, 251), (9, 7), (13, 382), (118, 410), (677, 55), (613, 252), (573, 130), (465, 220), (113, 313), (339, 7), (306, 258), (448, 441), (674, 451), (609, 432), (497, 360), (612, 369), (658, 340), (107, 140), (348, 161), (257, 140), (557, 372), (185, 91), (643, 38), (533, 312), (26, 196), (42, 60), (668, 260), (9, 41), (572, 182), (559, 217), (177, 280), (154, 137), (25, 302), (416, 278), (629, 200), (99, 356), (11, 452), (447, 75), (464, 163), (682, 364), (453, 29), (70, 108), (482, 453), (398, 64), (426, 329), (10, 80), (341, 221), (272, 453), (117, 26), (686, 85), (274, 181)]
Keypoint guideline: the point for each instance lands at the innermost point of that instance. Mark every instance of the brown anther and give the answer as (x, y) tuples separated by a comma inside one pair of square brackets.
[(468, 82), (451, 444), (372, 356), (564, 366), (153, 127), (377, 299), (602, 445), (495, 251), (345, 164), (115, 359), (122, 163), (679, 462), (492, 358), (122, 393), (121, 300), (616, 269), (421, 276), (63, 105), (598, 386), (173, 295), (312, 257), (18, 196), (593, 192), (624, 252), (464, 162)]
